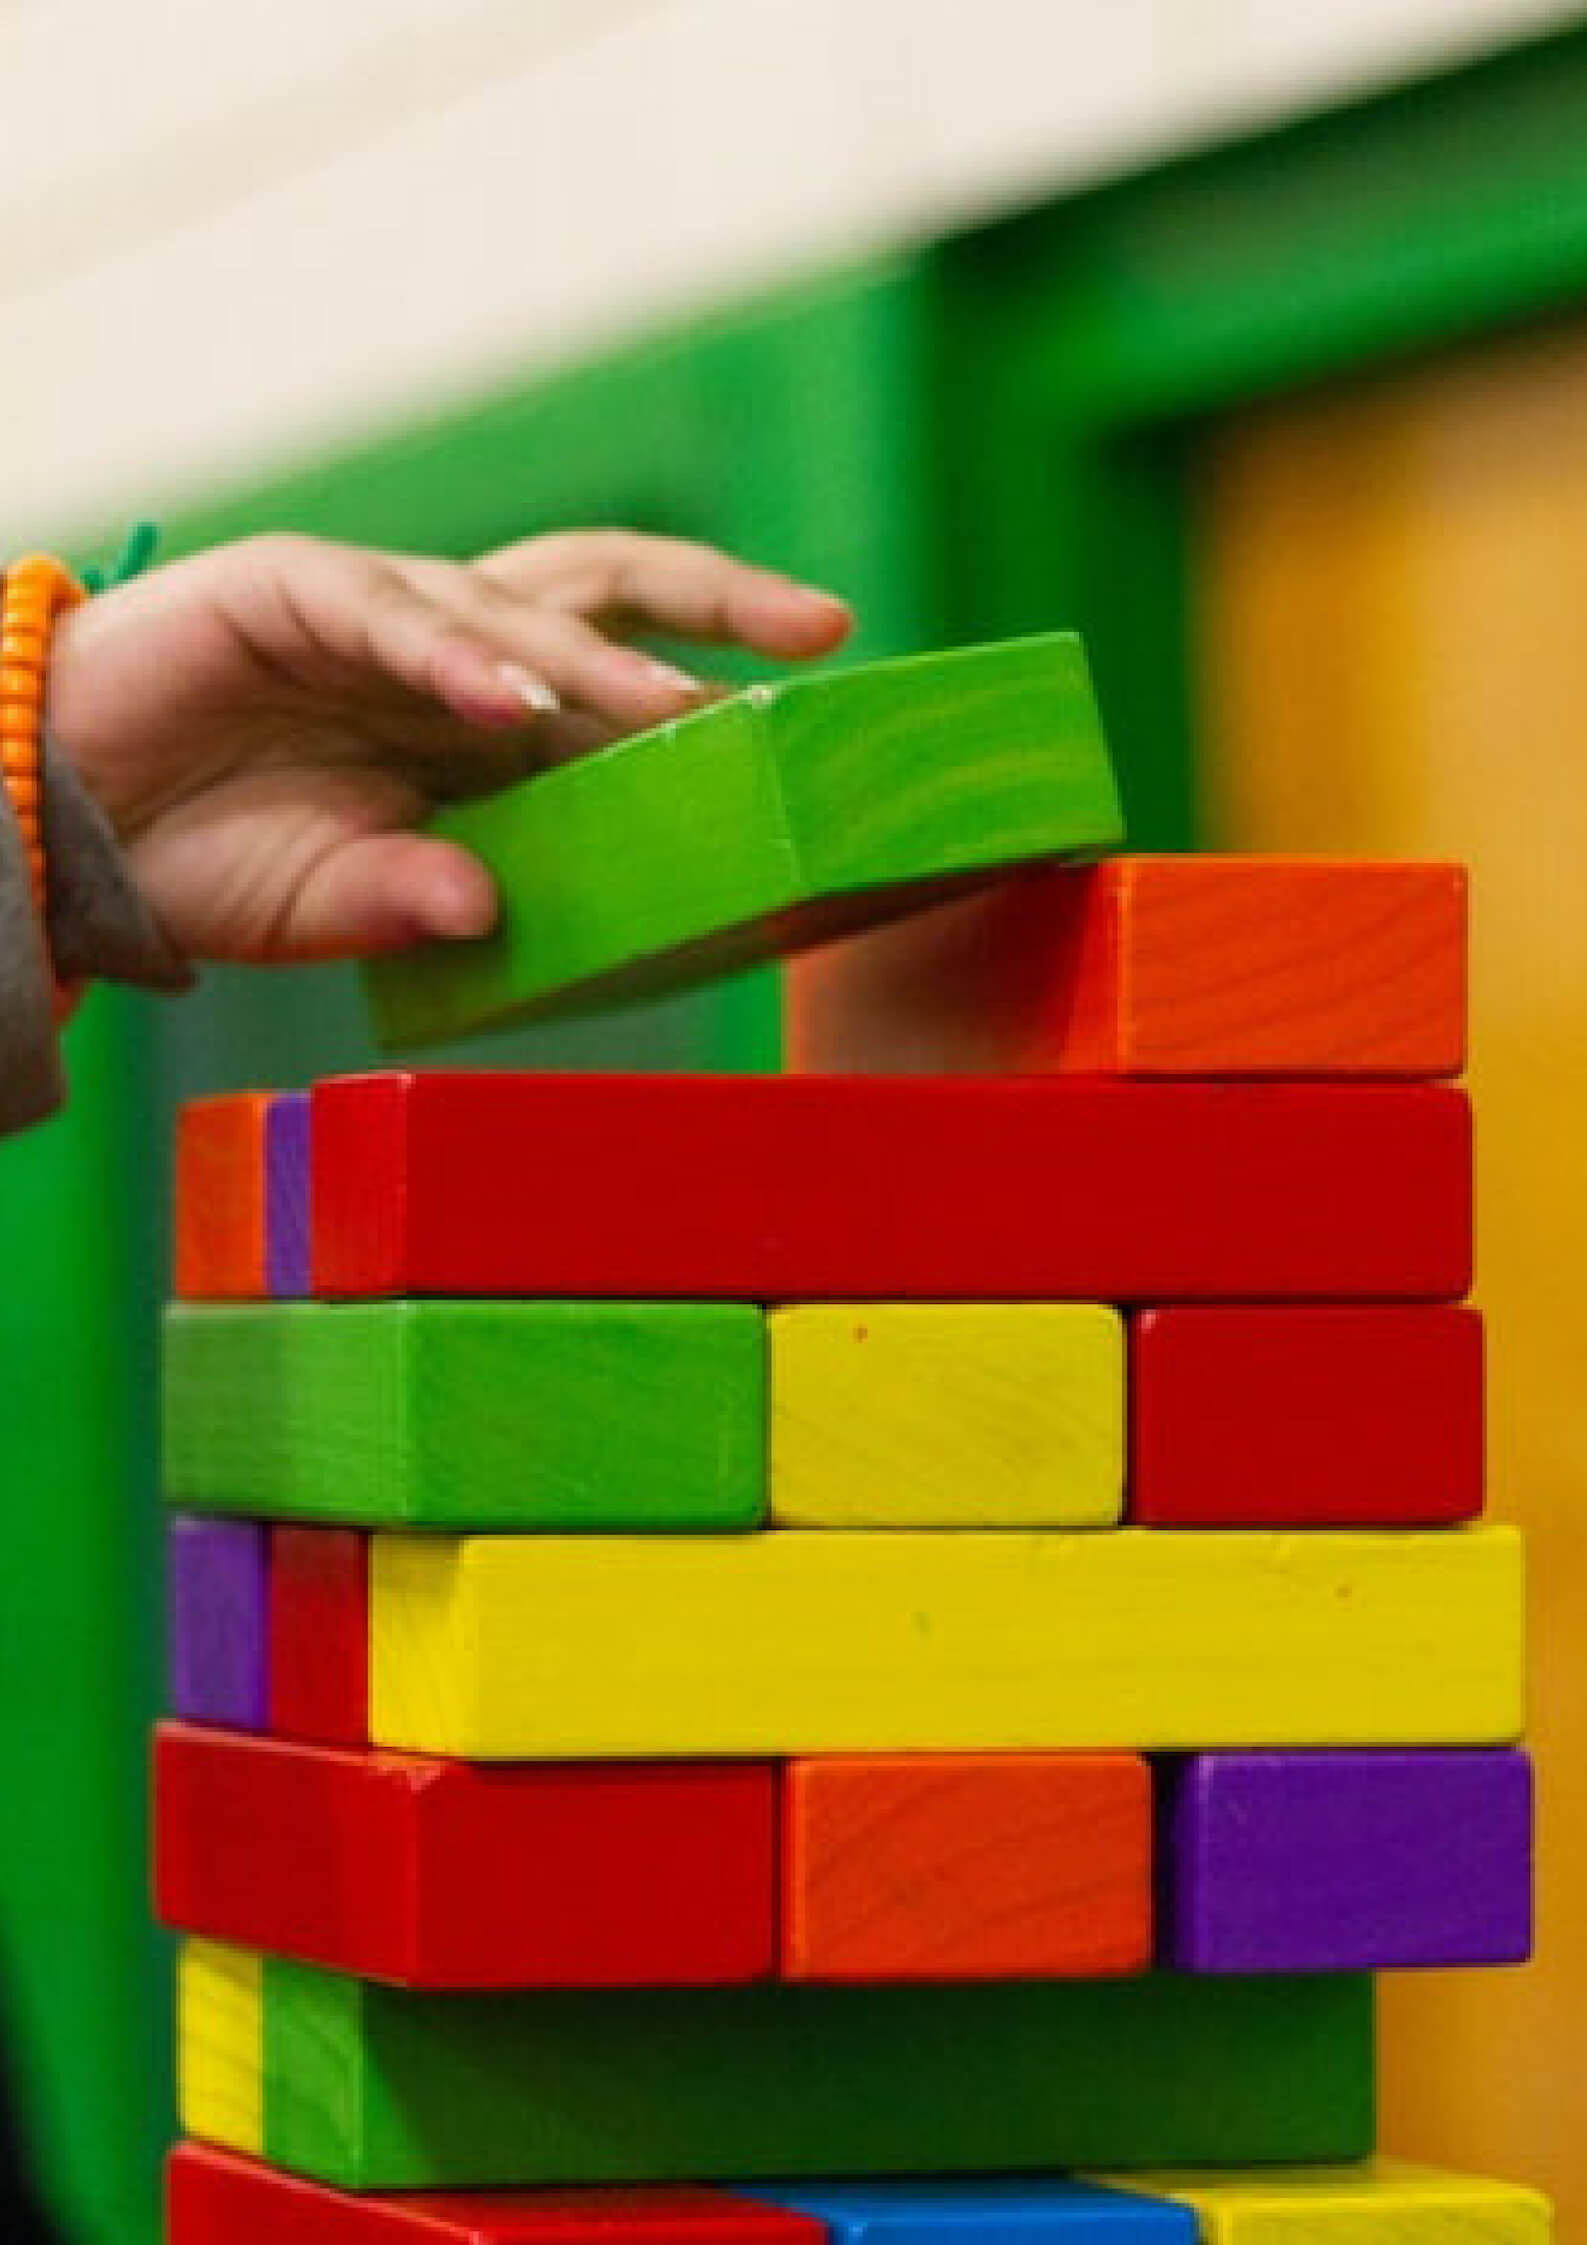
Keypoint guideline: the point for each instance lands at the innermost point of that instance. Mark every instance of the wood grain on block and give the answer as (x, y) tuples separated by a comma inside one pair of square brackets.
[(987, 2210), (217, 1632), (949, 1415), (286, 1159), (319, 1634), (219, 1198), (575, 1415), (1156, 966), (1347, 1862), (812, 1188), (438, 1875), (1373, 2202), (912, 1641), (961, 1867), (773, 819), (216, 2198), (376, 2088), (1309, 1417), (220, 2060)]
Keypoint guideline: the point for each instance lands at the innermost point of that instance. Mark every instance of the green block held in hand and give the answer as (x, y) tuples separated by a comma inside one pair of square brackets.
[(786, 815)]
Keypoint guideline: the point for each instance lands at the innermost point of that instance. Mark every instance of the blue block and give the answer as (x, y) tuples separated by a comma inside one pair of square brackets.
[(1001, 2210)]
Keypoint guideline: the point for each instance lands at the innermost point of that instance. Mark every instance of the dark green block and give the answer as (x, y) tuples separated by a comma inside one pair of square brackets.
[(788, 813), (375, 2088), (567, 1415)]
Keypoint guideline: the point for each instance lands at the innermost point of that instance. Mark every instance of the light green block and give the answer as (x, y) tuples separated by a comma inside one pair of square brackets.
[(372, 2087), (565, 1415), (788, 813)]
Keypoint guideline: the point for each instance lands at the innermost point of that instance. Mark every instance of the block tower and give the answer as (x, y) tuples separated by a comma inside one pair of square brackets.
[(875, 1655)]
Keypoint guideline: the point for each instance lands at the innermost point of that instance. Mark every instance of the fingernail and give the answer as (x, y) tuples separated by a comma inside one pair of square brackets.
[(675, 681), (533, 692)]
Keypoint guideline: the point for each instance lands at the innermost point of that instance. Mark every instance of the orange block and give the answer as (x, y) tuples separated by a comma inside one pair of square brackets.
[(219, 1251), (1156, 966), (966, 1867)]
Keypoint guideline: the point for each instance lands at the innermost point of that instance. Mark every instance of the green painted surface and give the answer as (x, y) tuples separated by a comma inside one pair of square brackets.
[(758, 821), (82, 1978), (567, 1415), (374, 2087)]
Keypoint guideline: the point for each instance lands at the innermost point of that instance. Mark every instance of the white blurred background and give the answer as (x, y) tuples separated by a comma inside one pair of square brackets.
[(234, 235)]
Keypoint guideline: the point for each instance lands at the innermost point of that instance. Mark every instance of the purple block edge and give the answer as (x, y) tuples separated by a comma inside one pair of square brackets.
[(217, 1614), (286, 1225), (1346, 1861)]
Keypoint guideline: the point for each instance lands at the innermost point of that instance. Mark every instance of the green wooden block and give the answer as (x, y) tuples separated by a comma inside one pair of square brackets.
[(568, 1415), (787, 814), (373, 2087)]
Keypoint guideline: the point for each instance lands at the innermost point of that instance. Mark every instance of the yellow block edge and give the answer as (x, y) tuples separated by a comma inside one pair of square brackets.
[(1380, 2202), (220, 2045), (785, 1642), (951, 1415)]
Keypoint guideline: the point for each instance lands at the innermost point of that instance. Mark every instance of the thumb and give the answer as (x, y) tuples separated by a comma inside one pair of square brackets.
[(382, 892)]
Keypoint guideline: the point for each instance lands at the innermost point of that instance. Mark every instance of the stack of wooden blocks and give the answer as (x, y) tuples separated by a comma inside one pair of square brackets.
[(731, 1632)]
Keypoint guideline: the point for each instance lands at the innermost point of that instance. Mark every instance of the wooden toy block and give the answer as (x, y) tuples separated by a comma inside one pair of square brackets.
[(991, 1415), (1305, 1417), (375, 2088), (286, 1157), (986, 2210), (219, 1198), (1156, 966), (1374, 2202), (787, 814), (220, 2081), (966, 1867), (319, 1634), (434, 1874), (820, 1188), (215, 2198), (1347, 1862), (577, 1415), (216, 1631), (785, 1643)]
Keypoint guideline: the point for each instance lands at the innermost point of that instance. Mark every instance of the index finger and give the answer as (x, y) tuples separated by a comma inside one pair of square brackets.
[(674, 585)]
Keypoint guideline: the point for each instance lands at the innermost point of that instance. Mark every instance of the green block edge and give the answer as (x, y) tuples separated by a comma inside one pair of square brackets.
[(569, 1416), (368, 2087), (812, 806)]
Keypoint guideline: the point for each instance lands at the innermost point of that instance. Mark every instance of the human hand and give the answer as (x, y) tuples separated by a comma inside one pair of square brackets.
[(265, 724)]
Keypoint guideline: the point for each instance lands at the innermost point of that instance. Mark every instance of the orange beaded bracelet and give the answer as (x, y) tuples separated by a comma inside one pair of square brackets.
[(32, 595)]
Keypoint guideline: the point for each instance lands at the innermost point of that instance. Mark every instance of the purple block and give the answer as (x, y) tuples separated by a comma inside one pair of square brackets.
[(216, 1581), (286, 1224), (1346, 1862)]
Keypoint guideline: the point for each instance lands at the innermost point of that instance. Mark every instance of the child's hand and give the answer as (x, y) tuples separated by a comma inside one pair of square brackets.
[(264, 724)]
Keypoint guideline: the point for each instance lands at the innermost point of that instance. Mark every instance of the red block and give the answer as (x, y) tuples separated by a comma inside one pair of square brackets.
[(1336, 1417), (319, 1635), (215, 2198), (440, 1874), (779, 1188)]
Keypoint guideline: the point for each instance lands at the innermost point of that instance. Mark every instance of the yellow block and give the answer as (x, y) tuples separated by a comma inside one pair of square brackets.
[(939, 1415), (1383, 2202), (516, 1647), (220, 2045)]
